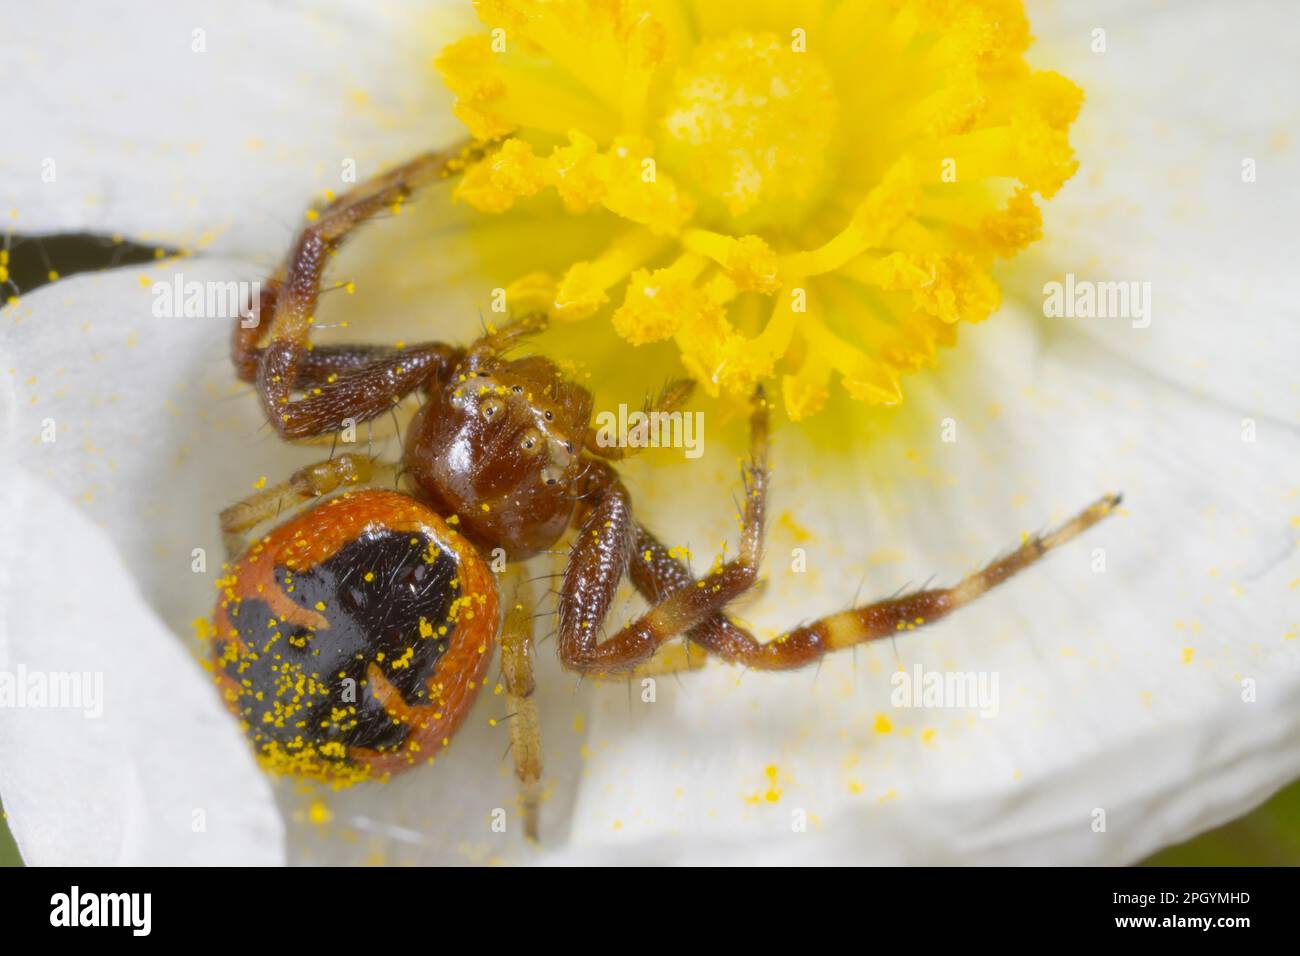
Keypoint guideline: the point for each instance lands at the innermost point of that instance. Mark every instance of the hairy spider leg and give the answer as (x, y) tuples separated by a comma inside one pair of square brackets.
[(305, 484), (685, 605), (350, 382), (517, 669)]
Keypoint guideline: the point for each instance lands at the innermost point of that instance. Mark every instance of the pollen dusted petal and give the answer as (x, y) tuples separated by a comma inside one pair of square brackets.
[(750, 142)]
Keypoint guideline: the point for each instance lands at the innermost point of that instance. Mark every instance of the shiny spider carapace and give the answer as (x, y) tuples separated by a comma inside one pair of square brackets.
[(353, 638)]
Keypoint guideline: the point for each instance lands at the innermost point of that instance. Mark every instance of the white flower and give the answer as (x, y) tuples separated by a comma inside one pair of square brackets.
[(1163, 691)]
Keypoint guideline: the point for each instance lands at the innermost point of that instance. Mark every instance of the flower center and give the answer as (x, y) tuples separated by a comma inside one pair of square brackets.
[(750, 124), (814, 194)]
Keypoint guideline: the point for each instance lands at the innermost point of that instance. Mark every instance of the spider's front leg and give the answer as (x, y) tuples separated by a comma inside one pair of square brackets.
[(601, 555), (338, 382), (804, 645), (685, 605)]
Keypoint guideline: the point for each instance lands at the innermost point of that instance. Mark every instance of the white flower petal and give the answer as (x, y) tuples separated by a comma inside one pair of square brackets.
[(148, 415), (1160, 195), (220, 148), (1119, 690), (147, 767)]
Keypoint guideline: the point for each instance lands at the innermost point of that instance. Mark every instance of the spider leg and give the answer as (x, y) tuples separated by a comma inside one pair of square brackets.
[(668, 659), (498, 340), (685, 605), (359, 383), (656, 574), (805, 645), (670, 399), (517, 669), (307, 483), (601, 554), (597, 562), (363, 392)]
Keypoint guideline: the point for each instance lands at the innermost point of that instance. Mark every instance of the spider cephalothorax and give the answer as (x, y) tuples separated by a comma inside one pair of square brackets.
[(499, 443), (352, 638)]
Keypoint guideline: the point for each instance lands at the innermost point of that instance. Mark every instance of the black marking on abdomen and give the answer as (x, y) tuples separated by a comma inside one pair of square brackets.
[(367, 618)]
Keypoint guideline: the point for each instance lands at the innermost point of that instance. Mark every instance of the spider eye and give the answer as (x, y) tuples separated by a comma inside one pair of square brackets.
[(550, 476), (491, 406), (530, 440), (550, 416), (482, 374), (518, 390)]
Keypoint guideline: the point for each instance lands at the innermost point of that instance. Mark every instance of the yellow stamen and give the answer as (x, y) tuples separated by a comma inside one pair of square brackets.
[(803, 193)]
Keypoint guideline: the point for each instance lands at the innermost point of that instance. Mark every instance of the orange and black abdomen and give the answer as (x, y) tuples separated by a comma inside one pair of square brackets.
[(352, 639)]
